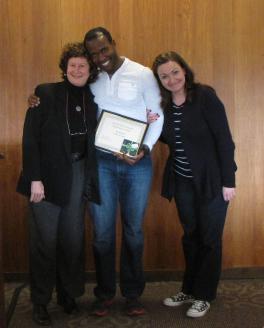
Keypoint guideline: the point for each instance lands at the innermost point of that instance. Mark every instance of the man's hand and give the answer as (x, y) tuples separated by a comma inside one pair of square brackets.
[(130, 160), (33, 101), (228, 193), (37, 192)]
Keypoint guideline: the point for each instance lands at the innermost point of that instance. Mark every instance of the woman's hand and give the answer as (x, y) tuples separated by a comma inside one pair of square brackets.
[(228, 193), (151, 117), (33, 101), (37, 191)]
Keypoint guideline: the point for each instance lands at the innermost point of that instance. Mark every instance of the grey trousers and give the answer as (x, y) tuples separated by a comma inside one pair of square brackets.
[(57, 244)]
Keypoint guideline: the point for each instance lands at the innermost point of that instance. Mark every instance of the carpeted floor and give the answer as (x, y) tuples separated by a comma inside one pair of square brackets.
[(240, 304)]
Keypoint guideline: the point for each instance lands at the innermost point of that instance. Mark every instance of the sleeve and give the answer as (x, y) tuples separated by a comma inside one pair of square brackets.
[(31, 140), (152, 100), (215, 116)]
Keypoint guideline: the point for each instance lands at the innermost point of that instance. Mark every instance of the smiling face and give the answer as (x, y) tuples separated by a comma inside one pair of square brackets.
[(78, 71), (172, 77), (103, 53)]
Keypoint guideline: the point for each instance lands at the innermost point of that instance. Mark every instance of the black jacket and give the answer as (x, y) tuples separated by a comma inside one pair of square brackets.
[(207, 142), (47, 146)]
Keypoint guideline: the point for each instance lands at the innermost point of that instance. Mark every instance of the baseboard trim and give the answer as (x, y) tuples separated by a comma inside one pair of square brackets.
[(151, 276)]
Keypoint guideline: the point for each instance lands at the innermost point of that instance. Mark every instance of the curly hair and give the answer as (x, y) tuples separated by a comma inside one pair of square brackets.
[(76, 49), (189, 76)]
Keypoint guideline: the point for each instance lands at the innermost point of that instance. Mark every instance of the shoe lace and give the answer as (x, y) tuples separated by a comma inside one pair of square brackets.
[(198, 305), (181, 296)]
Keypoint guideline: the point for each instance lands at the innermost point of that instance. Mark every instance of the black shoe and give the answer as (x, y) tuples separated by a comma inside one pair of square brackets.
[(40, 315), (68, 303)]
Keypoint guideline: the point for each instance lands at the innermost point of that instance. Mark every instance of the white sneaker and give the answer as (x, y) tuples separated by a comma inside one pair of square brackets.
[(178, 299), (198, 309)]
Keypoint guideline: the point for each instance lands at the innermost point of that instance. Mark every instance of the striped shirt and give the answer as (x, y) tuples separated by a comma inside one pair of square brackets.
[(181, 165)]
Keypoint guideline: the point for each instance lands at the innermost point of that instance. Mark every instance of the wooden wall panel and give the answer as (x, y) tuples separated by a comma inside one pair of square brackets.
[(248, 243), (221, 39)]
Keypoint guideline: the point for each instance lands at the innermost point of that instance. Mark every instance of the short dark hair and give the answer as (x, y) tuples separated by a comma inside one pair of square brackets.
[(76, 49), (189, 76), (95, 33)]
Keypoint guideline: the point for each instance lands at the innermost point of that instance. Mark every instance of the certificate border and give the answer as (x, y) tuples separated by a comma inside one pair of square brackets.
[(131, 119)]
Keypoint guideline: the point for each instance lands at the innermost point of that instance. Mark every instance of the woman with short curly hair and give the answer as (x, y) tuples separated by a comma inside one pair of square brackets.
[(59, 175)]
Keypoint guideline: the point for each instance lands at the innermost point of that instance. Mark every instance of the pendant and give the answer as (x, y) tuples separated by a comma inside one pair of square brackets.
[(78, 108)]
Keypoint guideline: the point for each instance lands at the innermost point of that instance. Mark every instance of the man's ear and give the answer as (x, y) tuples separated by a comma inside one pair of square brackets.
[(113, 43)]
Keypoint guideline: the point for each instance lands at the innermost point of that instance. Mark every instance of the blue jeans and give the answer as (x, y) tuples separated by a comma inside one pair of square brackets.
[(129, 186), (203, 225)]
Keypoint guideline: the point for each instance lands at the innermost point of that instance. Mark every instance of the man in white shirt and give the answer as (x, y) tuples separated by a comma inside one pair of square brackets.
[(127, 88)]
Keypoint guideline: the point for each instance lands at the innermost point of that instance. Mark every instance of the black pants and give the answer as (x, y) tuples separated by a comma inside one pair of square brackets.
[(203, 224), (57, 244)]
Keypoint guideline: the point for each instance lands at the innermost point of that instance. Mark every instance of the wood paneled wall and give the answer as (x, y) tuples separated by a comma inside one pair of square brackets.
[(223, 42)]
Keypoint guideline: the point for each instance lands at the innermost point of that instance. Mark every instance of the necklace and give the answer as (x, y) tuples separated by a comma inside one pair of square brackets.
[(78, 109)]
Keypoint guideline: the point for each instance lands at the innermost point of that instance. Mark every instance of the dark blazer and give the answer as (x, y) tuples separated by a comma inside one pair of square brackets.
[(47, 146), (207, 142)]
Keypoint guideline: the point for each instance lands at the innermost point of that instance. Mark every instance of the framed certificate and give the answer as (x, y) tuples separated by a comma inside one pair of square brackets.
[(119, 134)]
